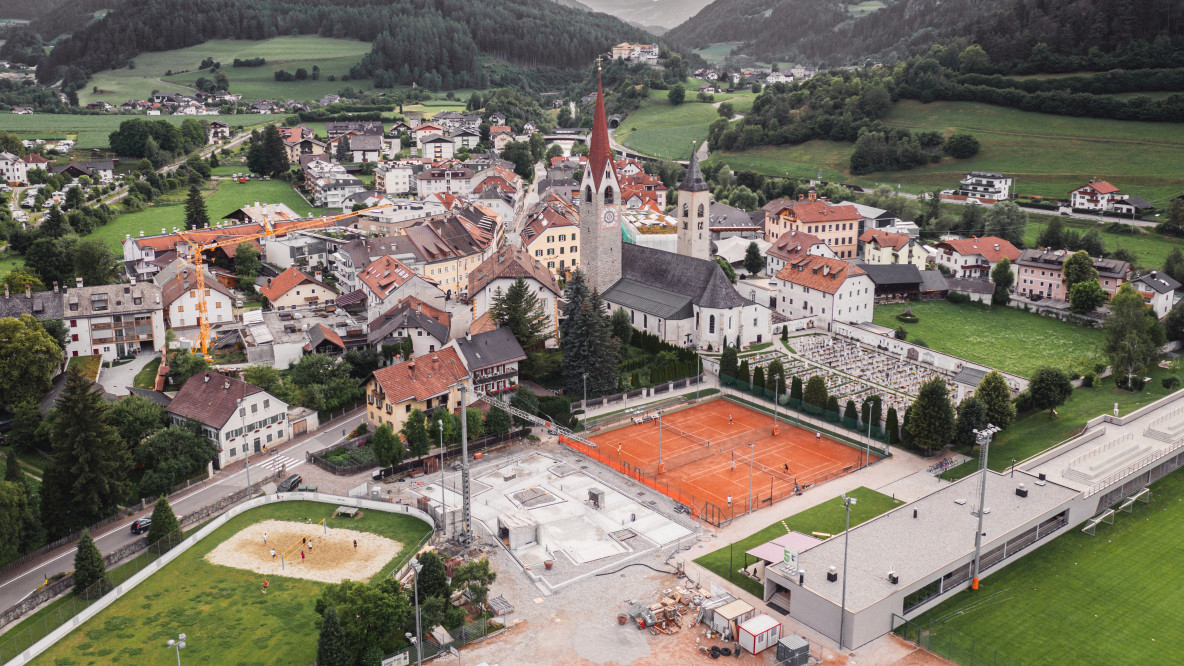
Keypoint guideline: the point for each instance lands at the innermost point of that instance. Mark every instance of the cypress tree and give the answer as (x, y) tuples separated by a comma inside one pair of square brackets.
[(816, 393), (758, 378), (877, 405), (850, 413), (832, 405), (728, 363), (744, 376), (931, 421), (331, 647), (893, 428), (89, 567), (196, 216), (785, 333), (795, 389), (164, 523)]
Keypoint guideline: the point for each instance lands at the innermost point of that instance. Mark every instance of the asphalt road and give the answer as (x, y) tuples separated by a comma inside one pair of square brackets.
[(17, 587)]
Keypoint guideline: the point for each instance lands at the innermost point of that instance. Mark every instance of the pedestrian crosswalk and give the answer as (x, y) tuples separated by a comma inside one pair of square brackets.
[(275, 462)]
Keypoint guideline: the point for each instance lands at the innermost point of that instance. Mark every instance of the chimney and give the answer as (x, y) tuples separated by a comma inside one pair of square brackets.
[(269, 283), (163, 231), (127, 237), (996, 247), (411, 369), (141, 233), (132, 281), (207, 381), (226, 385), (55, 286), (78, 282)]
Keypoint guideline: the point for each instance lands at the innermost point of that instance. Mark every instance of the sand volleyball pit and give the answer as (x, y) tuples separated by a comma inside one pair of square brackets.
[(331, 559)]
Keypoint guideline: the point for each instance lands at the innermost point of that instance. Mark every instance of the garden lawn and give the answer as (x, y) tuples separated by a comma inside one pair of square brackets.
[(1112, 598), (333, 56), (1001, 337), (222, 198), (146, 377), (663, 130), (91, 131), (1047, 154), (90, 365), (828, 517), (1035, 432), (220, 609)]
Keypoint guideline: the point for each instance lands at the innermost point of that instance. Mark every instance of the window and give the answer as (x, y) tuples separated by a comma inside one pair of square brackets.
[(407, 408), (686, 211), (255, 408), (73, 323), (74, 338), (700, 210), (573, 238), (645, 321), (266, 404), (561, 250), (550, 264), (233, 452), (711, 324), (550, 239), (242, 411), (573, 249), (608, 195), (562, 237)]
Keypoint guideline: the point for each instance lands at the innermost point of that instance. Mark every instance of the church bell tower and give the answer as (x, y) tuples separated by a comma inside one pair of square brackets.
[(694, 212), (600, 207)]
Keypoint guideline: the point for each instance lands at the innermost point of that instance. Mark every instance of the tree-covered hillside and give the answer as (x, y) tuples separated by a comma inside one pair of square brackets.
[(415, 41)]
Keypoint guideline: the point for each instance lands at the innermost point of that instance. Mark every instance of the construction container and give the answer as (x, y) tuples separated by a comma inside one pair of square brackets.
[(793, 650), (759, 633)]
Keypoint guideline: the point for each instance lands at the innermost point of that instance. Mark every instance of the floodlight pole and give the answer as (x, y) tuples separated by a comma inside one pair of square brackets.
[(242, 418), (659, 440), (984, 441), (751, 455), (848, 502), (585, 403), (443, 508)]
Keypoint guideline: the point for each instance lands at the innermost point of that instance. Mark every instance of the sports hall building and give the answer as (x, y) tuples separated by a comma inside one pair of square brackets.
[(906, 561)]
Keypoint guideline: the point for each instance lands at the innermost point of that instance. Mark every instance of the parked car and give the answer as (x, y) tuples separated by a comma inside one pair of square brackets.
[(141, 525), (289, 484)]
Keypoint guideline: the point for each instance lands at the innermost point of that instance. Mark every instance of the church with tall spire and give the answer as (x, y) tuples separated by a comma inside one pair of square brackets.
[(682, 297)]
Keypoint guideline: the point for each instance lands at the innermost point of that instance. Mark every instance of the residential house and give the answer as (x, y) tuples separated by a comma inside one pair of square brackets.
[(295, 290), (362, 147), (1100, 195), (894, 282), (401, 214), (497, 118), (424, 383), (323, 340), (306, 144), (500, 135), (1158, 290), (13, 170), (984, 185), (437, 148), (828, 289), (425, 130), (387, 281), (263, 213), (330, 185), (974, 258), (792, 245), (218, 131), (465, 137), (394, 177), (837, 226), (871, 217), (302, 250), (429, 328), (550, 235), (458, 181), (1039, 274), (880, 247), (180, 299), (98, 171), (22, 110), (643, 53), (491, 359), (727, 222), (334, 129), (239, 418), (113, 320), (499, 272)]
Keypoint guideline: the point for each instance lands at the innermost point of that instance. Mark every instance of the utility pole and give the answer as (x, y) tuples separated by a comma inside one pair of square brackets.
[(465, 536), (984, 441)]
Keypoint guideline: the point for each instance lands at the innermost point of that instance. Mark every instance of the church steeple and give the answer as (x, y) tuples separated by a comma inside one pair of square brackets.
[(694, 212), (600, 195), (693, 180)]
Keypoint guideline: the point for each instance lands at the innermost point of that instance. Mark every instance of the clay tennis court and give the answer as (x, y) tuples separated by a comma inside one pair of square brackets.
[(705, 457), (332, 558)]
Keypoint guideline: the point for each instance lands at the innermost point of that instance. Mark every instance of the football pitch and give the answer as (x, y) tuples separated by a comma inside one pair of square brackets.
[(1113, 598)]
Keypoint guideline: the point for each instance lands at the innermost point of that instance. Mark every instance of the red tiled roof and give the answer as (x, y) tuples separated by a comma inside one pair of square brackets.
[(285, 282), (821, 273), (500, 129), (511, 262), (483, 324), (600, 152), (812, 211), (210, 398), (186, 280), (884, 239), (331, 335), (385, 274), (984, 247), (1099, 186), (421, 378), (793, 243)]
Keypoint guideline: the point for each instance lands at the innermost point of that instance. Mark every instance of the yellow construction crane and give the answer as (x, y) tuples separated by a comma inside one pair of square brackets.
[(198, 247)]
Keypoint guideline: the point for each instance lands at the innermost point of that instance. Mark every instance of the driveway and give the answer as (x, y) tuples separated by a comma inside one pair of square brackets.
[(116, 380)]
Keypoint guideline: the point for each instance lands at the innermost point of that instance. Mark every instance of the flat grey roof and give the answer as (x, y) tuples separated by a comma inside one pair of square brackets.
[(634, 295), (919, 548), (970, 376)]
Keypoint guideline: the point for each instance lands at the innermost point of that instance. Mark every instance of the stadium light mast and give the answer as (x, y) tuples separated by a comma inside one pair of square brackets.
[(984, 442), (443, 506), (848, 502)]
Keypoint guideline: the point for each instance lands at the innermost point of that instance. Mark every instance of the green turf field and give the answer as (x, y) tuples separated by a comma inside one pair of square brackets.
[(829, 517), (222, 197), (334, 56), (91, 131), (1048, 154), (1112, 598), (220, 608)]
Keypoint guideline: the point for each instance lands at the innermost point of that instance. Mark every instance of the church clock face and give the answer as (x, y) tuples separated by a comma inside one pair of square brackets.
[(609, 219)]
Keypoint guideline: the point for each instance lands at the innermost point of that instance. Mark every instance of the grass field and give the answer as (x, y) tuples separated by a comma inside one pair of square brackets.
[(828, 517), (1004, 338), (1112, 598), (220, 609), (1047, 154), (146, 377), (222, 197), (717, 54), (1036, 432), (333, 56), (91, 131)]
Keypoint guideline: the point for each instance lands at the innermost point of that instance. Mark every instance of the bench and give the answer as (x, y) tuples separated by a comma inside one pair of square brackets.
[(307, 489), (348, 512)]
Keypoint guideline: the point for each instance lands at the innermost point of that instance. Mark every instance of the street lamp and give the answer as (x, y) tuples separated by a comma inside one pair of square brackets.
[(416, 567), (659, 416), (586, 403), (178, 644), (242, 419), (848, 502), (751, 455), (443, 509)]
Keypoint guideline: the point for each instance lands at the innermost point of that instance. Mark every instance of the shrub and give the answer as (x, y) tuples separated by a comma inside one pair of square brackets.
[(908, 317), (1170, 383), (920, 343), (958, 297), (1100, 368), (902, 333), (1089, 380)]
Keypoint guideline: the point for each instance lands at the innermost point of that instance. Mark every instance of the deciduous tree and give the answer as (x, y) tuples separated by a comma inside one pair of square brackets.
[(1079, 267), (29, 355), (1086, 296), (331, 646), (1050, 388), (931, 419), (1133, 335), (816, 393), (388, 448), (972, 415), (995, 396), (415, 432)]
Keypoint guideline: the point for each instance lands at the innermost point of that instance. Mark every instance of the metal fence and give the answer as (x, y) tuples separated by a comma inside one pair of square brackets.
[(951, 644), (467, 634)]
